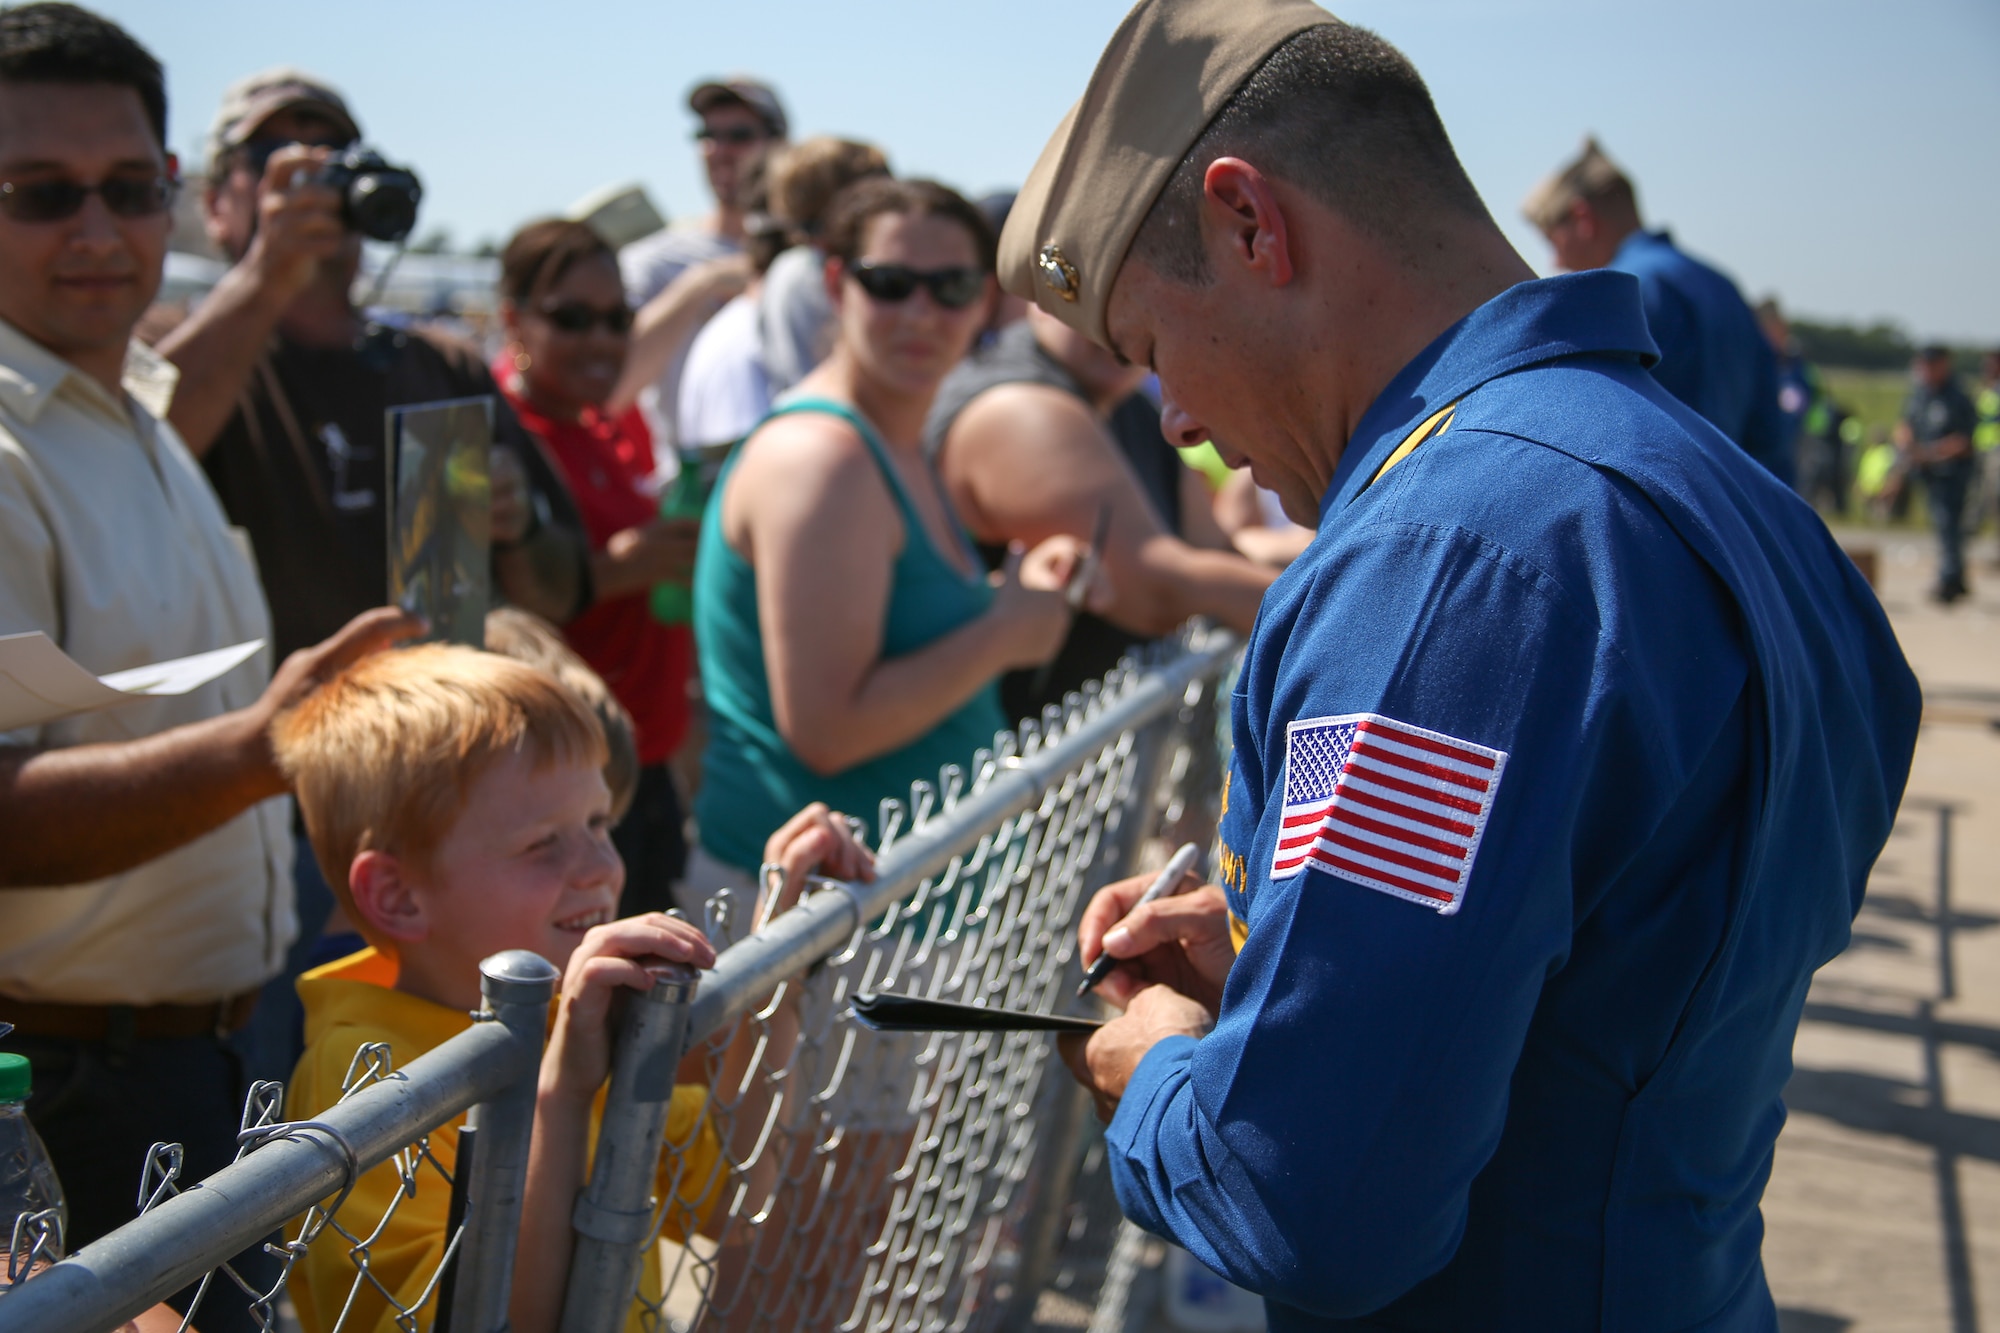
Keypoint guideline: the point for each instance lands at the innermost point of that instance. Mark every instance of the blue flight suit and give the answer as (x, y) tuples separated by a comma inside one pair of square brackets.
[(1553, 1105), (1713, 355)]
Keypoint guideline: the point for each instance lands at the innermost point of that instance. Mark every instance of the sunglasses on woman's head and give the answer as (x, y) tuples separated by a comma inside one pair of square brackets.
[(952, 288), (55, 200), (576, 317)]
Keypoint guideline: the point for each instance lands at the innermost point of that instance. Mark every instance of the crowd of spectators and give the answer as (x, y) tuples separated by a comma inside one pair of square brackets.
[(863, 579)]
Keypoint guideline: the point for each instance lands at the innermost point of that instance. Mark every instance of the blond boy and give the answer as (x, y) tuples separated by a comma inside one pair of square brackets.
[(456, 802)]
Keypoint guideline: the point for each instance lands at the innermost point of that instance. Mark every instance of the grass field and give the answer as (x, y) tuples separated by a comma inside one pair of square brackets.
[(1873, 397)]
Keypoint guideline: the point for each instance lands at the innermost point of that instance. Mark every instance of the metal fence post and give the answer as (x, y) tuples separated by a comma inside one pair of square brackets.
[(517, 986), (614, 1214)]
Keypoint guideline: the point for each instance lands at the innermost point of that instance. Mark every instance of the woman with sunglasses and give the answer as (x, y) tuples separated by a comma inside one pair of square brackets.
[(849, 635), (568, 333)]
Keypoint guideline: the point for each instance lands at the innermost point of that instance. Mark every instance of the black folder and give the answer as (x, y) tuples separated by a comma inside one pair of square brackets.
[(907, 1013)]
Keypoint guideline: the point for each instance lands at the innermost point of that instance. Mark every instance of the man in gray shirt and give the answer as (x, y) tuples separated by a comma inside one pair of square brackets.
[(741, 119)]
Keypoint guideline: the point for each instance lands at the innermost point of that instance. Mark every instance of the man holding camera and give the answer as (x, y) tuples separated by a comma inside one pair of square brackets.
[(284, 387), (284, 384)]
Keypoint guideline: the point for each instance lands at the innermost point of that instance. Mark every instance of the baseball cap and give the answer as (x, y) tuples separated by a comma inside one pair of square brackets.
[(741, 88), (250, 102)]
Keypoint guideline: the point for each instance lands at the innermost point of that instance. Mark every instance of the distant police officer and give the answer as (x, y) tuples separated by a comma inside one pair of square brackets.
[(1713, 357), (1562, 753), (1935, 438)]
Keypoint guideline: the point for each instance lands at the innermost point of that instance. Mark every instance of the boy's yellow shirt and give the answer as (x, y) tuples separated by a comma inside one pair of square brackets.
[(351, 1002)]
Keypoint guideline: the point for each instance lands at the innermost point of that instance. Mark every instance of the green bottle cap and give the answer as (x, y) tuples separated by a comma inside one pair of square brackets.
[(16, 1078)]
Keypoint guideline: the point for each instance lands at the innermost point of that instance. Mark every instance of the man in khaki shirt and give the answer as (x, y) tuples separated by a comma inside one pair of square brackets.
[(145, 852)]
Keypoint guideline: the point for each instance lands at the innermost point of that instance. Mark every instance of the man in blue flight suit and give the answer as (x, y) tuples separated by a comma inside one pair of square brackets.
[(1713, 356), (1562, 753)]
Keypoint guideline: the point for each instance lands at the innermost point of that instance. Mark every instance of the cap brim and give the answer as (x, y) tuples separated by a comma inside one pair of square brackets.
[(261, 109)]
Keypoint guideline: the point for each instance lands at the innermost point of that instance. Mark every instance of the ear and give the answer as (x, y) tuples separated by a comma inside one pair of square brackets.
[(1241, 211), (834, 271), (386, 898), (510, 318)]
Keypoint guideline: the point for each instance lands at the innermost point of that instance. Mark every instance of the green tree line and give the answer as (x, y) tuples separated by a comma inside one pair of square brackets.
[(1878, 346)]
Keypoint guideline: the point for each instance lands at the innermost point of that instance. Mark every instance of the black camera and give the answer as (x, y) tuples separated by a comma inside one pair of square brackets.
[(377, 198)]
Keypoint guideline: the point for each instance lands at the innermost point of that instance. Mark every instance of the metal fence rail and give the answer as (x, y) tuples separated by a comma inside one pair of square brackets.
[(829, 1177), (289, 1170)]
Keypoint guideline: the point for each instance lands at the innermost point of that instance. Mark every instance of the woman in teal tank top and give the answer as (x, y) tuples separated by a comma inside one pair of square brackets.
[(849, 636)]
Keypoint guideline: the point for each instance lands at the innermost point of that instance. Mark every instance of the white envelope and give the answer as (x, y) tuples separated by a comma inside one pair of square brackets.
[(39, 682)]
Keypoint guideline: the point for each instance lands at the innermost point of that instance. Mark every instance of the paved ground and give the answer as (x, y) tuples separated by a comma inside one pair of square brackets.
[(1883, 1211)]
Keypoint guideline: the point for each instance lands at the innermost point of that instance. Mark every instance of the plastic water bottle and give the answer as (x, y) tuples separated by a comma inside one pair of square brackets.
[(685, 497), (28, 1183)]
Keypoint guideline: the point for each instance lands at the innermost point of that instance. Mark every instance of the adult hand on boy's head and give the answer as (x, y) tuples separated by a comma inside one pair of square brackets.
[(305, 671), (309, 668), (611, 956), (815, 841)]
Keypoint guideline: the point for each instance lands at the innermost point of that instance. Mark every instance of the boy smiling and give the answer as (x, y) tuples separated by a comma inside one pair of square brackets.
[(456, 802)]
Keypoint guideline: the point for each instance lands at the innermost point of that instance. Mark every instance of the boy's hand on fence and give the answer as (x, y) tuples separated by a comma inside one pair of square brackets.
[(1103, 1062), (611, 956), (815, 841), (1180, 942)]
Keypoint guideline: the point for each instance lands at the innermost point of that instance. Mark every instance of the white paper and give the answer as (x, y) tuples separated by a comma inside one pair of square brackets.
[(39, 682)]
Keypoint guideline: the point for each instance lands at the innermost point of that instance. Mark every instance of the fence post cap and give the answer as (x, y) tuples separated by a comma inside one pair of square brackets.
[(673, 983), (517, 976)]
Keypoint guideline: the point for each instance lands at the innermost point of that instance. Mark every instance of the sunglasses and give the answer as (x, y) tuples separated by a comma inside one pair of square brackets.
[(736, 136), (952, 288), (55, 200), (578, 318)]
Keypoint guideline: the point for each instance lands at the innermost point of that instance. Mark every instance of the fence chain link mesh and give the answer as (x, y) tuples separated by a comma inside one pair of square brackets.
[(368, 1299), (881, 1181)]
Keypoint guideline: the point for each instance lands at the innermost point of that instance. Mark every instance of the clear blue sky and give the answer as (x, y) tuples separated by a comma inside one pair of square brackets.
[(1844, 155)]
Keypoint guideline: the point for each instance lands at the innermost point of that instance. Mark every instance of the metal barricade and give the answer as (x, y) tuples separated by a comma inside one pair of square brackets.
[(833, 1178), (302, 1172), (895, 1182)]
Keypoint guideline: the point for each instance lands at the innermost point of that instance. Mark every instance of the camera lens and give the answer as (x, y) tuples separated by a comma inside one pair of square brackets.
[(384, 208)]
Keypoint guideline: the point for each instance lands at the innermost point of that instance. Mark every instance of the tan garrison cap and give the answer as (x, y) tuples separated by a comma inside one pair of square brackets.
[(251, 101), (1169, 70), (1589, 174)]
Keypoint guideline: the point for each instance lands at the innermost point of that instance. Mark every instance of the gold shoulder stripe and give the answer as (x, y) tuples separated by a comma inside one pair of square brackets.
[(1433, 426)]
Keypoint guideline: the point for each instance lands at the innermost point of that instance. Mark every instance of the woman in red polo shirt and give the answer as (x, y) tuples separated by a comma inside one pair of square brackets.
[(569, 330)]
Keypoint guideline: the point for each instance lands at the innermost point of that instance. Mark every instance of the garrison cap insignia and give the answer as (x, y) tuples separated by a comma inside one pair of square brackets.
[(1058, 272)]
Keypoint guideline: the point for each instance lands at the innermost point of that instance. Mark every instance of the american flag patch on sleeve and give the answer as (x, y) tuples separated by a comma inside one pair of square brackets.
[(1385, 804)]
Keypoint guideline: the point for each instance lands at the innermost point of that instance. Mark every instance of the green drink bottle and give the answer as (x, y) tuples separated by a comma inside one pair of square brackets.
[(673, 603)]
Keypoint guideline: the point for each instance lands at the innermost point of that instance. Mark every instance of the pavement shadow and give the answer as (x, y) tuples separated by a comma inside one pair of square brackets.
[(1797, 1319), (1901, 907), (1878, 1105), (1905, 1025)]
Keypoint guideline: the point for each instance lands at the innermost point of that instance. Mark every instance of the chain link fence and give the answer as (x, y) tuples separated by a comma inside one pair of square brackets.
[(830, 1177), (293, 1184)]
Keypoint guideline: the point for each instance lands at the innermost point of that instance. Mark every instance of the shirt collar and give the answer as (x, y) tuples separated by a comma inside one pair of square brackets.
[(31, 376), (1642, 239), (1579, 314)]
